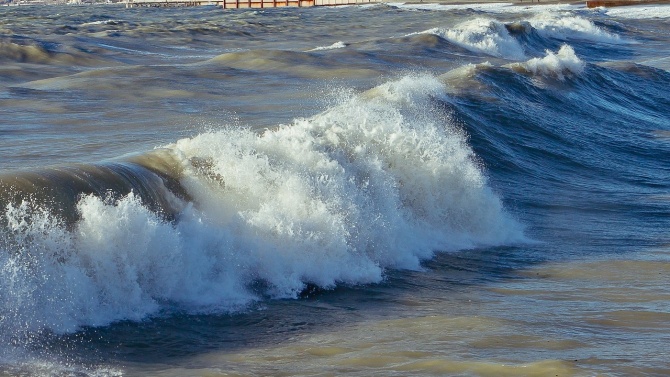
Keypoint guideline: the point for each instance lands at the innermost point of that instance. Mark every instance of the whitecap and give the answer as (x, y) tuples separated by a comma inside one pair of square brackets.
[(566, 26), (334, 46), (639, 11), (554, 64), (483, 35)]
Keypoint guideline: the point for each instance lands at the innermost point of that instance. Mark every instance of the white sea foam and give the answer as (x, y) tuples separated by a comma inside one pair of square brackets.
[(638, 12), (539, 8), (491, 37), (103, 22), (483, 35), (334, 46), (120, 262), (565, 26), (380, 181), (440, 7), (554, 64), (33, 367), (494, 8)]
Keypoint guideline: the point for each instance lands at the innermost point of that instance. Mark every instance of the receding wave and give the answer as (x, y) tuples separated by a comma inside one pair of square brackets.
[(380, 181)]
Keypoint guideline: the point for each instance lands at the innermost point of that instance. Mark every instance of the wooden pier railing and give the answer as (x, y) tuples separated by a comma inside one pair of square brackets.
[(234, 4)]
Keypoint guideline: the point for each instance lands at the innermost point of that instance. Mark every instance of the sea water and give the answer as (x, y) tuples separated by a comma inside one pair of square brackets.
[(389, 189)]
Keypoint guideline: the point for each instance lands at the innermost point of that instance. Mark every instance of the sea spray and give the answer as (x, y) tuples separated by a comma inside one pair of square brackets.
[(379, 181), (382, 180), (516, 40)]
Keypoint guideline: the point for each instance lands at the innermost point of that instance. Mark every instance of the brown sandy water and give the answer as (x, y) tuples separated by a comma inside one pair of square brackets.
[(575, 318)]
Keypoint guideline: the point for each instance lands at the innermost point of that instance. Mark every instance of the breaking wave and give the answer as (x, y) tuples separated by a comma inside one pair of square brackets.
[(380, 181), (554, 64)]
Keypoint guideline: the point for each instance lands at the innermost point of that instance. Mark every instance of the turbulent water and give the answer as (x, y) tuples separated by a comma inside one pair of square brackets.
[(388, 189)]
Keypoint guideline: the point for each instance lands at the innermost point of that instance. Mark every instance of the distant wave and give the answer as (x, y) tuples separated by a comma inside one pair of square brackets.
[(554, 64), (488, 7), (565, 27), (103, 22), (483, 35), (637, 12), (334, 46), (511, 40)]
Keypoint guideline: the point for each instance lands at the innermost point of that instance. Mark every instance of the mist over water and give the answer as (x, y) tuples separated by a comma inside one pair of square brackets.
[(454, 190)]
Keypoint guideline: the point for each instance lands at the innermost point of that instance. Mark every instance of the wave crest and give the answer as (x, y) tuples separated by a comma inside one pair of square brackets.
[(334, 46), (554, 64), (483, 35), (564, 27), (380, 181)]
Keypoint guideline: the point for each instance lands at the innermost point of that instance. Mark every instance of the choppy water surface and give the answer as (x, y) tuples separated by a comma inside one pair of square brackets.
[(379, 190)]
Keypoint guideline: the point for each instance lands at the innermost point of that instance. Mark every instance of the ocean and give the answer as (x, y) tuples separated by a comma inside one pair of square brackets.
[(379, 190)]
